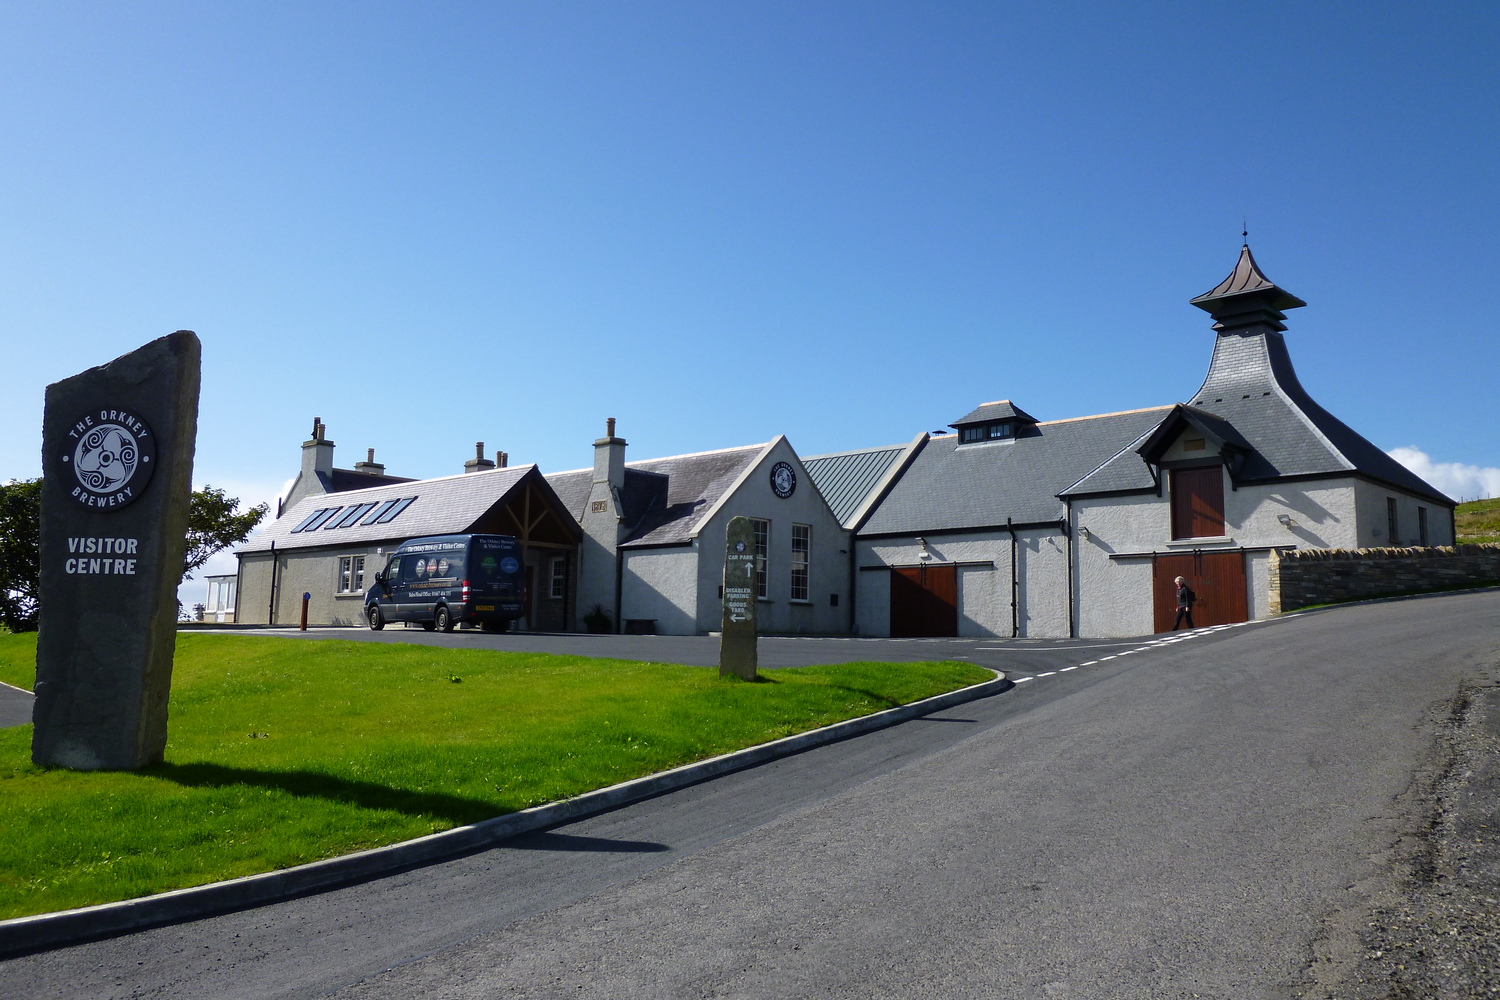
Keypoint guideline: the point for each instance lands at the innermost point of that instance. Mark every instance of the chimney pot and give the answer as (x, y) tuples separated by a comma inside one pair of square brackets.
[(609, 427), (479, 450), (502, 460), (370, 456)]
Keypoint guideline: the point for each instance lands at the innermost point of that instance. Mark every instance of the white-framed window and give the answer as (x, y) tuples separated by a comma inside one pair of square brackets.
[(351, 574), (762, 551), (801, 547), (558, 572)]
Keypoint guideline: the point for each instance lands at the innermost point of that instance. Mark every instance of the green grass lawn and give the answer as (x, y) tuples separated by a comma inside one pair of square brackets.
[(283, 751)]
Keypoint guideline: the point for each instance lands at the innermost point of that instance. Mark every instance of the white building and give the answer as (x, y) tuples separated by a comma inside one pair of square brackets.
[(1010, 526), (1019, 527)]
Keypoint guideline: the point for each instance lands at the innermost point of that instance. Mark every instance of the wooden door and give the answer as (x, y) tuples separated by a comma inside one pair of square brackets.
[(1218, 578), (924, 601), (1198, 503)]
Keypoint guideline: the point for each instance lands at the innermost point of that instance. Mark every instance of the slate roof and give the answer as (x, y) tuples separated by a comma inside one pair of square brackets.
[(444, 506), (950, 486), (1001, 409), (663, 499), (344, 480), (1252, 386), (847, 478)]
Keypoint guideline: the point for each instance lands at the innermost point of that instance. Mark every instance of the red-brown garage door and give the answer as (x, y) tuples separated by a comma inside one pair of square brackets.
[(1218, 578), (924, 601)]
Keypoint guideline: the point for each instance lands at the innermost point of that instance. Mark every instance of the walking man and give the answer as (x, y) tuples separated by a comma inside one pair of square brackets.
[(1185, 600)]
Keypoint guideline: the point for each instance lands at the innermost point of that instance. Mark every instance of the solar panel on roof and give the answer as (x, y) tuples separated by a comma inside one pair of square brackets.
[(380, 511), (309, 519), (395, 511), (354, 514)]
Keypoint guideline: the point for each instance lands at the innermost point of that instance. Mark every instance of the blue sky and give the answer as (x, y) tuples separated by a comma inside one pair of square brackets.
[(432, 224)]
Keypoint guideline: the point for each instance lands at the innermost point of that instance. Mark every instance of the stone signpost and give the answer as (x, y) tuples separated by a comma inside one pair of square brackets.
[(117, 463), (737, 638)]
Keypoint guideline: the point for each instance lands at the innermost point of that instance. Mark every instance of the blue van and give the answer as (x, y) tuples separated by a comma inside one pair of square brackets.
[(446, 579)]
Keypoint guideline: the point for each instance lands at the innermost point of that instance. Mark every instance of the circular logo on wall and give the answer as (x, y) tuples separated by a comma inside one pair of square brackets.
[(112, 457), (783, 479)]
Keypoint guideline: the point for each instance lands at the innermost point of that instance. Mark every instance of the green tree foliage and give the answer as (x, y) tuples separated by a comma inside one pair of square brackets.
[(20, 526), (215, 522)]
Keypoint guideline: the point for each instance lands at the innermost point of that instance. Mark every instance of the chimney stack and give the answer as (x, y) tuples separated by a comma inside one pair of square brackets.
[(478, 463), (609, 457), (369, 466), (502, 459), (317, 454)]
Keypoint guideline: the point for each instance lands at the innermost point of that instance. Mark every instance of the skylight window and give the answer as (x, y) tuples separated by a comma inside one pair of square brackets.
[(396, 510), (381, 511), (354, 514), (309, 519), (320, 517)]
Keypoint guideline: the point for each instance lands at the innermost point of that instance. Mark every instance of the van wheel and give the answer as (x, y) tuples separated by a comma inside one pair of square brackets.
[(375, 618), (427, 626), (441, 620), (495, 626)]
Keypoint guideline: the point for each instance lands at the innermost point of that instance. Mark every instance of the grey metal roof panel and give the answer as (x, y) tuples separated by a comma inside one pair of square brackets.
[(1001, 409), (694, 484), (950, 486), (846, 479), (444, 506)]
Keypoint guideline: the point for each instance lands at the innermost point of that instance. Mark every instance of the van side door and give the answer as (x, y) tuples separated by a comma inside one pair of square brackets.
[(391, 596)]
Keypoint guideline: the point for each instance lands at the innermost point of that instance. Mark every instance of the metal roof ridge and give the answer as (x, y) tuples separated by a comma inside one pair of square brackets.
[(1101, 416), (856, 451), (697, 454)]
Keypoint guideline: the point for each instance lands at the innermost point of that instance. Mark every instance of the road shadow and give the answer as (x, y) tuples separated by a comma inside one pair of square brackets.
[(315, 785), (548, 841)]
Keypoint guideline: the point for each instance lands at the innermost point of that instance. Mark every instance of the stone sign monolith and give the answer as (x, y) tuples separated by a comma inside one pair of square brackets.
[(737, 630), (117, 466)]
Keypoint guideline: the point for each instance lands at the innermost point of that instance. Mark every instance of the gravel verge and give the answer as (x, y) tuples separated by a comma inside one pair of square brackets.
[(1433, 929)]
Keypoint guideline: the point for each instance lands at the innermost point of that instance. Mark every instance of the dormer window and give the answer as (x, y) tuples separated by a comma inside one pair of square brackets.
[(997, 421), (988, 432)]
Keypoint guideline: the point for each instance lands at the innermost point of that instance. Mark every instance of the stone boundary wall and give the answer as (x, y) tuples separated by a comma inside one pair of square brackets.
[(1302, 577)]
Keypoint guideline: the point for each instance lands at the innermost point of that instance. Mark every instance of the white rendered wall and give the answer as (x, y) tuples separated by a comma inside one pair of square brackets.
[(1372, 518), (310, 571), (1115, 594), (984, 581), (661, 584), (828, 557)]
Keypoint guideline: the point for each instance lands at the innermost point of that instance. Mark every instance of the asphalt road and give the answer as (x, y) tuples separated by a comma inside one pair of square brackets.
[(1205, 817)]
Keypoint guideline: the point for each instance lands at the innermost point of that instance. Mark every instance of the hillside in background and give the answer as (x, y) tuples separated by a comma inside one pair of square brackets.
[(1478, 521)]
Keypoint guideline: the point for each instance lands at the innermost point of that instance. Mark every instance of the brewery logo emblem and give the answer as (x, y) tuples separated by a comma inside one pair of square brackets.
[(113, 456), (509, 564), (783, 479)]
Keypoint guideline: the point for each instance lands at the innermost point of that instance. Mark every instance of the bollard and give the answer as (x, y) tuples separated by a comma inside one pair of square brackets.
[(305, 599)]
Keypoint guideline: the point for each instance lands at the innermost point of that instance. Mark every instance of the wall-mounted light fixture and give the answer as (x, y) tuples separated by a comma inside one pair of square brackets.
[(1286, 520), (1084, 532), (924, 554)]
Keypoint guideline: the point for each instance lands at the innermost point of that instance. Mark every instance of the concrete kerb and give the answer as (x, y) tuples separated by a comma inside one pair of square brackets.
[(24, 935)]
